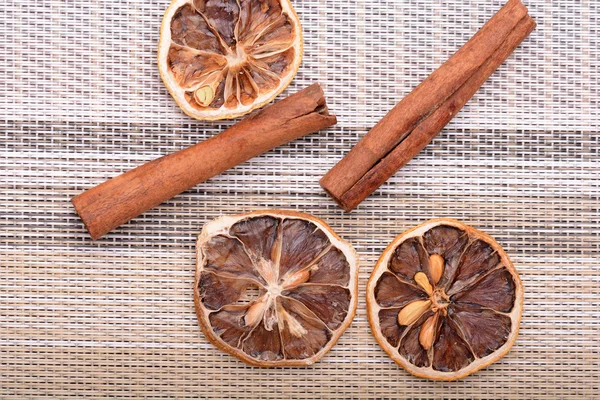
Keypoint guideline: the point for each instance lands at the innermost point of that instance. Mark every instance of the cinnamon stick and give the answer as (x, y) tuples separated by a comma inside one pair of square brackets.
[(116, 201), (433, 124), (423, 113)]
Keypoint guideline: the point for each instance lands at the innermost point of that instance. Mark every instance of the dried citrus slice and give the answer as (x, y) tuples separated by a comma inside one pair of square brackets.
[(444, 300), (224, 58), (274, 288)]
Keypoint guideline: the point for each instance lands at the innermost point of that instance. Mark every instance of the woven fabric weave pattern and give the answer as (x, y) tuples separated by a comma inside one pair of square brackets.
[(81, 101)]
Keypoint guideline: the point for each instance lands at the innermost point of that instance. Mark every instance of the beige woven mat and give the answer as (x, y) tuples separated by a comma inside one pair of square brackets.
[(81, 101)]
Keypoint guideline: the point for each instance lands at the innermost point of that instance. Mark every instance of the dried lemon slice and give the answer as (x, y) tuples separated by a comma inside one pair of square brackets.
[(274, 288), (444, 300), (224, 58)]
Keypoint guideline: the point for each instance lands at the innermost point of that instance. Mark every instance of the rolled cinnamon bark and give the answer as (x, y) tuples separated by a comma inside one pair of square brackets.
[(427, 109), (116, 201), (434, 123)]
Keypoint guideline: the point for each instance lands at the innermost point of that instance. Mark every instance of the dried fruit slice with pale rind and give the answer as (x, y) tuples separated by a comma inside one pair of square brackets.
[(444, 300), (274, 288), (224, 58)]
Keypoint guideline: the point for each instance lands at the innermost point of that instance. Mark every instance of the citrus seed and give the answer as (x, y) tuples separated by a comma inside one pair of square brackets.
[(436, 267), (413, 311)]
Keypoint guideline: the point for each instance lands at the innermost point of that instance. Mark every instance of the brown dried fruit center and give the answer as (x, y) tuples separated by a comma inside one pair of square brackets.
[(445, 299), (228, 53), (302, 281), (439, 300)]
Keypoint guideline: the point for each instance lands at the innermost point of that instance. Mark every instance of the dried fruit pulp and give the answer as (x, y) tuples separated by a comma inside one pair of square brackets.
[(274, 288), (224, 58), (444, 300)]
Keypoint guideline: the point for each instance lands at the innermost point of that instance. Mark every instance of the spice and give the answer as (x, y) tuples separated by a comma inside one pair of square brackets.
[(302, 277), (224, 59), (452, 328), (423, 113), (126, 196)]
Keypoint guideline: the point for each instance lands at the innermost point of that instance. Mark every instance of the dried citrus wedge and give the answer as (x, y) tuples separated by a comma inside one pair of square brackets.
[(224, 58), (274, 288), (444, 300)]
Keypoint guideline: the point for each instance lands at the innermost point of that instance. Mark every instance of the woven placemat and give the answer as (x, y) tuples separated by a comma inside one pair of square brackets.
[(81, 100)]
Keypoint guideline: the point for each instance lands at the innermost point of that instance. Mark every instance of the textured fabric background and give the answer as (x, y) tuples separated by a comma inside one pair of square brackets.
[(81, 101)]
